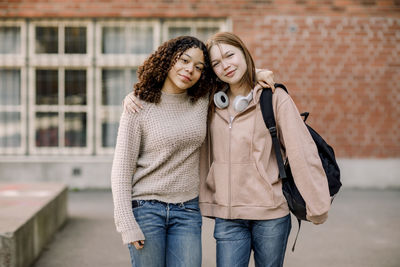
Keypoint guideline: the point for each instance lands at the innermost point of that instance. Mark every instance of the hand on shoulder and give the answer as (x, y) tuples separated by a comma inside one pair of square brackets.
[(131, 104)]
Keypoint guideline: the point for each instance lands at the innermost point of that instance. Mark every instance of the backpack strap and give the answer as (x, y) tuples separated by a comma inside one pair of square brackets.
[(297, 235), (269, 120)]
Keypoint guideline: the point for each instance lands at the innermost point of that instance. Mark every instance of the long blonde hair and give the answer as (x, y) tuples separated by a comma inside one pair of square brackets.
[(249, 77)]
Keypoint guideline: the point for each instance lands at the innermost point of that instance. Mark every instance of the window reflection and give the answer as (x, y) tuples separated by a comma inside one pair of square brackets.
[(113, 83), (10, 87), (75, 40), (141, 40), (46, 129), (46, 40), (131, 40), (109, 132), (113, 40), (46, 87), (116, 85), (133, 78), (75, 129), (75, 87), (10, 40), (178, 31), (10, 129)]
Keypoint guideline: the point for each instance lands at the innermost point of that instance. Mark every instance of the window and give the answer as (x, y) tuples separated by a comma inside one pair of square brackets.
[(127, 39), (10, 37), (12, 89), (75, 40), (61, 87), (116, 83), (10, 108), (121, 47), (61, 109), (77, 73)]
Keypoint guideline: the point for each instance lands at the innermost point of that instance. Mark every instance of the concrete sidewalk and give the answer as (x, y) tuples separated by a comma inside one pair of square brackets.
[(363, 229)]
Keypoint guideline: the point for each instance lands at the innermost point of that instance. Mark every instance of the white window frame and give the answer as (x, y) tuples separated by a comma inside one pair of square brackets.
[(124, 60), (133, 61), (93, 61), (61, 62), (21, 109), (113, 112), (17, 61), (61, 59), (117, 61)]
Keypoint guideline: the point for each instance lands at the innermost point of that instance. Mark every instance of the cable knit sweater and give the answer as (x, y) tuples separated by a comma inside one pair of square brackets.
[(157, 157)]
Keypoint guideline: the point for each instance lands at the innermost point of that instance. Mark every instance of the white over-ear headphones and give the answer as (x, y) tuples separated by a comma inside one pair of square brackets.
[(240, 103)]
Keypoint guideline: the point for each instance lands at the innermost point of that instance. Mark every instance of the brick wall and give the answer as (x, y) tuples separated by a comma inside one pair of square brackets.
[(237, 9), (339, 58), (344, 70)]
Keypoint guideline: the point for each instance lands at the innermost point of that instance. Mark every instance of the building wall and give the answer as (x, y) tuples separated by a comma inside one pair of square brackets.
[(339, 59), (192, 8)]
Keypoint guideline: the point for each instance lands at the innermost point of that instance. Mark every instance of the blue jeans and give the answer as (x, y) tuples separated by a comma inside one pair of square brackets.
[(236, 239), (172, 232)]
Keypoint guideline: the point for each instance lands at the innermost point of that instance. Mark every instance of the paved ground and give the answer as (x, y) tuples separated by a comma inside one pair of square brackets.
[(363, 230)]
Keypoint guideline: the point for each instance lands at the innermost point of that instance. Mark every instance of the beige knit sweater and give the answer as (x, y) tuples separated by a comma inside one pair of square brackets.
[(157, 157)]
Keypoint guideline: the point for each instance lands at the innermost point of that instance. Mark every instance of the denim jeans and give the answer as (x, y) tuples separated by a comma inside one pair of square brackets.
[(236, 239), (172, 232)]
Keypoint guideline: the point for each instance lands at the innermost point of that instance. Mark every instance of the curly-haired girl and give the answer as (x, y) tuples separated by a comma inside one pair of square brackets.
[(155, 172), (155, 70)]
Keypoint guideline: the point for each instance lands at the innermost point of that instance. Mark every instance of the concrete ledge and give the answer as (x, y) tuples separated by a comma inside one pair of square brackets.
[(29, 216), (370, 173)]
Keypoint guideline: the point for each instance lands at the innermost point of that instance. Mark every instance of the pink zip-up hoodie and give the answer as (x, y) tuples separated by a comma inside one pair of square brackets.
[(239, 171)]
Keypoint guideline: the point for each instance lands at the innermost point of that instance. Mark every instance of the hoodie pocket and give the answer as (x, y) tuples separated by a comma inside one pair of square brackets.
[(249, 188), (215, 189)]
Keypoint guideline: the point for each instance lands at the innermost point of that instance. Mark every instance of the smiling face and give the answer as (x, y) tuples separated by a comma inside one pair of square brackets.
[(185, 72), (228, 63)]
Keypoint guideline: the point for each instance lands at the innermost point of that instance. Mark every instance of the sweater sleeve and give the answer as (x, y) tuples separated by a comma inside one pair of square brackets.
[(123, 168), (306, 166), (205, 157)]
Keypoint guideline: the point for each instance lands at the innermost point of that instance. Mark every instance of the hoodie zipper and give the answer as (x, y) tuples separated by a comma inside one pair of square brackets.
[(230, 122), (231, 118)]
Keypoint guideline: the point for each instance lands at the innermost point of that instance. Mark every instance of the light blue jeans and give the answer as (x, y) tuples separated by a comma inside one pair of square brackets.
[(236, 239), (172, 232)]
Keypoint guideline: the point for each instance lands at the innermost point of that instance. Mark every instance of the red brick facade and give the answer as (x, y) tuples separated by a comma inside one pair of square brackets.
[(340, 59)]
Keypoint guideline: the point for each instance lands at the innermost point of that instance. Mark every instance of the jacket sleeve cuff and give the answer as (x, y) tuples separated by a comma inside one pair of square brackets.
[(132, 236), (318, 219)]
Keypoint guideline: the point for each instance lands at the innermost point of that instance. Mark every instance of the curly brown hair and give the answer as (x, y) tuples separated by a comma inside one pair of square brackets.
[(153, 72)]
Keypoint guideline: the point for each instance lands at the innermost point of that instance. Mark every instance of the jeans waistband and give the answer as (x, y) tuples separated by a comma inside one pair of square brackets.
[(137, 203)]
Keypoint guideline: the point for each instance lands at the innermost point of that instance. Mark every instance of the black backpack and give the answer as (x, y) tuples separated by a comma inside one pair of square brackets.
[(293, 197)]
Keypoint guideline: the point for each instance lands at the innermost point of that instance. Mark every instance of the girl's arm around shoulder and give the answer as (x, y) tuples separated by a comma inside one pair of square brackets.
[(131, 103), (305, 163)]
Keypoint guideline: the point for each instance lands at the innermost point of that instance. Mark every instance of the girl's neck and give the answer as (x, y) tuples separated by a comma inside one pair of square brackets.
[(170, 88), (239, 89)]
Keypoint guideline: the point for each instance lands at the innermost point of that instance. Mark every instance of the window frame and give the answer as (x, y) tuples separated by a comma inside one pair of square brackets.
[(61, 62), (17, 61), (121, 60), (116, 61), (93, 62)]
